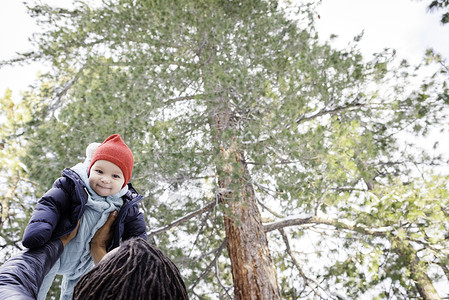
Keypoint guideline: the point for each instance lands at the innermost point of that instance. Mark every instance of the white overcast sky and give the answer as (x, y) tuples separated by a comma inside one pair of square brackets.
[(404, 25)]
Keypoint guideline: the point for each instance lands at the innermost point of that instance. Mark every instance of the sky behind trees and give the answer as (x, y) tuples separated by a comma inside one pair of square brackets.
[(405, 25)]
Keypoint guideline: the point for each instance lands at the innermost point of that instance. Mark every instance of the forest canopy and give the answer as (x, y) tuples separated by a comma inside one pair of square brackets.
[(273, 166)]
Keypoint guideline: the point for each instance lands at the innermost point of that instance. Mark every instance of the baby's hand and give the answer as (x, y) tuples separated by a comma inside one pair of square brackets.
[(68, 237)]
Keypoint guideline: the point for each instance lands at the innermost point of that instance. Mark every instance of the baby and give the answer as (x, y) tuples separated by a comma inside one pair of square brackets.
[(88, 192)]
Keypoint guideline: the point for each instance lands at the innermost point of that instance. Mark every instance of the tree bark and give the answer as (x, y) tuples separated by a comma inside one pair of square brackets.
[(419, 274), (253, 272)]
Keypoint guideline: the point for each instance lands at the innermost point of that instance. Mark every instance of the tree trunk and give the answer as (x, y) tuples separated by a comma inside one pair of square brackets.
[(422, 280), (418, 270), (253, 272)]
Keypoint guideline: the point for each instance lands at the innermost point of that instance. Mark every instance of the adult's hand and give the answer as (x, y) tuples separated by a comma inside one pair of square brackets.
[(68, 237), (102, 238)]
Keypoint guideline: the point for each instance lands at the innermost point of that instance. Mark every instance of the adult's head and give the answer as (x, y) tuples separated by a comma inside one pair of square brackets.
[(135, 270)]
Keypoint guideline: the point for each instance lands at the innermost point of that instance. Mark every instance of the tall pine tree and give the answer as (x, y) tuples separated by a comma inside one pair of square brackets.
[(272, 165)]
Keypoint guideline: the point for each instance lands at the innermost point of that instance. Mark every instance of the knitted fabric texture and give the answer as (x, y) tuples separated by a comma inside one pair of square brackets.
[(114, 150)]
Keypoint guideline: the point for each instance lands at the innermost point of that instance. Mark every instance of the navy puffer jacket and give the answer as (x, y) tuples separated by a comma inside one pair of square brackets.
[(58, 211)]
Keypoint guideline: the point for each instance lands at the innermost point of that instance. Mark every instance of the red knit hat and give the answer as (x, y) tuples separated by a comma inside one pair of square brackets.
[(114, 150)]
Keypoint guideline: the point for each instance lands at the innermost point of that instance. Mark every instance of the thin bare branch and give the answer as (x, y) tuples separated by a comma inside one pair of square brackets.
[(306, 279), (317, 220), (225, 288), (183, 219), (200, 231), (328, 112), (218, 252), (64, 89), (269, 210)]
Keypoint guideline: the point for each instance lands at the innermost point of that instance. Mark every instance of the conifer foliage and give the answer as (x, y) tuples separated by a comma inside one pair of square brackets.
[(273, 166)]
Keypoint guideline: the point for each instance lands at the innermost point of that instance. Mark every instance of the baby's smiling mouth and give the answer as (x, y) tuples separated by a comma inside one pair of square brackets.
[(103, 187)]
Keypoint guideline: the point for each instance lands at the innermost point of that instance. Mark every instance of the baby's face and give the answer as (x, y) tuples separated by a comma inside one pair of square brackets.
[(106, 178)]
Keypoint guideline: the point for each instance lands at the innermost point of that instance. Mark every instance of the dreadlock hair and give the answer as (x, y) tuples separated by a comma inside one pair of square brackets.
[(137, 270)]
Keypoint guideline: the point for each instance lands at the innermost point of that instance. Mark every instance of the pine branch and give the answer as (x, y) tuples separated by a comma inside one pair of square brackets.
[(306, 279), (218, 252), (200, 231), (225, 288), (317, 221), (56, 101), (328, 111), (183, 219), (23, 58)]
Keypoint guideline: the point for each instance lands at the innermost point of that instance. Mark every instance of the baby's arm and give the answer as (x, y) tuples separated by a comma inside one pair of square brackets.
[(46, 215)]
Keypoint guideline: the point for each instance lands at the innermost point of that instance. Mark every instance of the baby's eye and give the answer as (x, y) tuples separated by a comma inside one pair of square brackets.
[(99, 171), (115, 176)]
